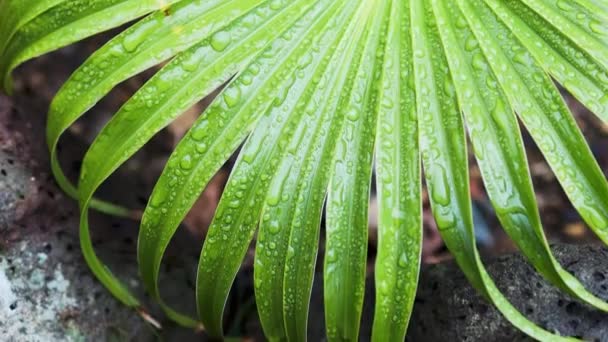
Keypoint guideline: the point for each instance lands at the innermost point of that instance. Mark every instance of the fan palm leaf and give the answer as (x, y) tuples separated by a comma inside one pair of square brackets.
[(321, 94)]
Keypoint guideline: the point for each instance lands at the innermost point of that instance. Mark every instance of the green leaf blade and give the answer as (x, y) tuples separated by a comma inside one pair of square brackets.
[(63, 23), (15, 13), (349, 188), (557, 54), (398, 186), (579, 26)]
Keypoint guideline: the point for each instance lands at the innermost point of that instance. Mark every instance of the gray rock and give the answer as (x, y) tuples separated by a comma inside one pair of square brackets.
[(46, 291), (46, 295), (448, 308), (14, 178), (15, 184)]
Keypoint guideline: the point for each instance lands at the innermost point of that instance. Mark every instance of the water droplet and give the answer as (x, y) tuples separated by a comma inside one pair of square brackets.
[(276, 190), (352, 114), (135, 38), (440, 189), (191, 63), (232, 96), (564, 6), (234, 204), (201, 148), (200, 131), (276, 5), (186, 162), (331, 256), (445, 218), (274, 226), (220, 41), (594, 218), (522, 58), (478, 62), (403, 260), (159, 196), (246, 78), (470, 44), (597, 27)]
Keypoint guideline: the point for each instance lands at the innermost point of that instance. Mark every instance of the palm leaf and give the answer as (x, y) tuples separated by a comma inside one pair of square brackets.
[(316, 90)]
